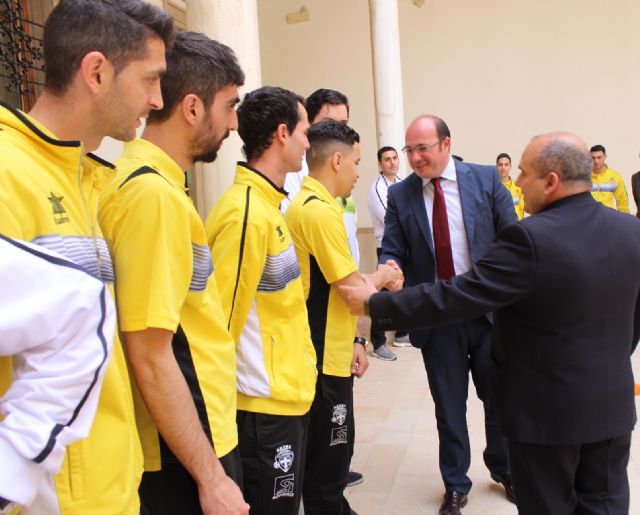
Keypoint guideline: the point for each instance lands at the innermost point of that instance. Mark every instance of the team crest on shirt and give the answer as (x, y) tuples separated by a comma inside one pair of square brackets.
[(339, 414), (280, 233), (284, 458), (284, 486), (60, 215)]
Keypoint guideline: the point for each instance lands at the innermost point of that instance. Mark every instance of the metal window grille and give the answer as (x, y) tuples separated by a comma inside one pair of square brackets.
[(21, 57)]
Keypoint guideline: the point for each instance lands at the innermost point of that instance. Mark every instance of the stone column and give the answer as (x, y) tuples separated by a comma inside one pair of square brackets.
[(387, 75), (235, 24)]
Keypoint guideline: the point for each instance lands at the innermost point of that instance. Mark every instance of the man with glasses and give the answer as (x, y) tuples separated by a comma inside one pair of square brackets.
[(439, 221)]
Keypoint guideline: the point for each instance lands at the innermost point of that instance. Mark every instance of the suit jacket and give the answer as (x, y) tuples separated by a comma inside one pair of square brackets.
[(487, 206), (564, 286)]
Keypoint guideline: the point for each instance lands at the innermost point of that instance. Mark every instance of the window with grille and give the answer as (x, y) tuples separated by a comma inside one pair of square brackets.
[(21, 59)]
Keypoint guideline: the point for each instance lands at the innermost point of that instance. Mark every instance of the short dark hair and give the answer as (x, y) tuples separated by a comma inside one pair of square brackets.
[(323, 96), (383, 150), (117, 28), (598, 148), (260, 114), (199, 65), (565, 157), (442, 129), (322, 138), (501, 155)]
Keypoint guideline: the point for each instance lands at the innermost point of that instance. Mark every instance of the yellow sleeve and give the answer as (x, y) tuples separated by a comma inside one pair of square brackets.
[(620, 193), (150, 240), (326, 237), (9, 225), (239, 253)]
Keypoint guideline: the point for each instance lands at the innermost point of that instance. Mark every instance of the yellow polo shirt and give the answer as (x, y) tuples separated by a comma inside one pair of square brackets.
[(165, 280), (316, 224)]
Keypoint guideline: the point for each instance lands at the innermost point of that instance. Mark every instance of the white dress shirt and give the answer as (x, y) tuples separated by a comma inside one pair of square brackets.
[(293, 185), (459, 245)]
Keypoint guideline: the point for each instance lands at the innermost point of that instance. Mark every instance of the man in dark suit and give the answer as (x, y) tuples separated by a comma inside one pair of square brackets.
[(564, 286), (439, 221)]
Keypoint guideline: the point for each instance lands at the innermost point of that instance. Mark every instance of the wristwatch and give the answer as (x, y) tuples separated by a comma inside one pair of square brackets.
[(359, 339)]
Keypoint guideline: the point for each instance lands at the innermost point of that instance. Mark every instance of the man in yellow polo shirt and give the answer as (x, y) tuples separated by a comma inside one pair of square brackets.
[(315, 220), (179, 350), (261, 291), (607, 185)]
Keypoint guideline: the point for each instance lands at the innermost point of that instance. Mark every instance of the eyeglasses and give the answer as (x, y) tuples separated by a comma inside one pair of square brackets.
[(423, 148)]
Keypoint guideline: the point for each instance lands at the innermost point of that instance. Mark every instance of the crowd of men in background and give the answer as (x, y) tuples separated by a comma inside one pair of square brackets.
[(228, 385)]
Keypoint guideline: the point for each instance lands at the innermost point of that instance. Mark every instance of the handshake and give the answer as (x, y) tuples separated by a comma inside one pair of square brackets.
[(388, 275), (393, 275)]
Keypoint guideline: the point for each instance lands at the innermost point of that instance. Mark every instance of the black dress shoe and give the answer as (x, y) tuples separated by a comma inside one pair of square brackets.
[(452, 503), (508, 486)]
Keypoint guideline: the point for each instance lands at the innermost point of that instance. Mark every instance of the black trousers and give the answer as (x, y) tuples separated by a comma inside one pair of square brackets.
[(589, 479), (331, 438), (451, 353), (273, 450), (172, 490)]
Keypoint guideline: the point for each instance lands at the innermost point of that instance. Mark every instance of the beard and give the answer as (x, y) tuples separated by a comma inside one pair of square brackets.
[(204, 148), (206, 157)]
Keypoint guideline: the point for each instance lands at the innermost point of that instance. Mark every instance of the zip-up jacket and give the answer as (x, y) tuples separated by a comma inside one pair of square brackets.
[(59, 321), (261, 290), (48, 196), (608, 186), (516, 195)]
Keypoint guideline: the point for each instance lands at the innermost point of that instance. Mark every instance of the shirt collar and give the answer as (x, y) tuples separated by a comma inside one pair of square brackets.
[(449, 172), (318, 189), (157, 158), (246, 174)]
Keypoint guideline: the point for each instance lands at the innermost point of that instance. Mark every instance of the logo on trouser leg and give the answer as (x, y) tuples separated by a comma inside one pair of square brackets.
[(338, 435), (284, 458), (284, 486), (339, 414)]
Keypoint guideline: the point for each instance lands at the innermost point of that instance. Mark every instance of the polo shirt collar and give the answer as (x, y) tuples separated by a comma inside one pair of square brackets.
[(157, 159), (246, 174), (317, 188)]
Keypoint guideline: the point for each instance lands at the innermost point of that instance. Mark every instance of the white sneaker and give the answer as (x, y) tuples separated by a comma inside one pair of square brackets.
[(384, 354), (402, 341)]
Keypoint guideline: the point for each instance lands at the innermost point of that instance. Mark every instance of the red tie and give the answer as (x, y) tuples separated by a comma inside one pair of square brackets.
[(440, 230)]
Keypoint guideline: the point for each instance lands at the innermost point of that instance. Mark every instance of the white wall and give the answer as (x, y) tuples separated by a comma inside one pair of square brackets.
[(500, 72), (332, 50)]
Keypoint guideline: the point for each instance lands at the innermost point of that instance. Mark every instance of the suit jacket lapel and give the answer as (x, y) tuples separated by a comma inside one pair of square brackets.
[(416, 197), (466, 190)]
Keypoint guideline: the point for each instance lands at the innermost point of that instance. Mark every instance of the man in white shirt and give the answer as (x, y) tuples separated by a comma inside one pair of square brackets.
[(377, 203)]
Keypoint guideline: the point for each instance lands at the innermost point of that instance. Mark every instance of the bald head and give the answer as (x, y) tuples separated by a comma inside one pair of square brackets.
[(427, 146), (553, 166), (426, 121), (563, 153)]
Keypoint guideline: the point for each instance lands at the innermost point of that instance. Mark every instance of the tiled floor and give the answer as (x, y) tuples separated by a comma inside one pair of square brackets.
[(397, 445)]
